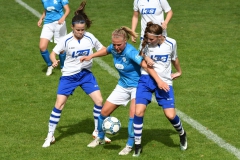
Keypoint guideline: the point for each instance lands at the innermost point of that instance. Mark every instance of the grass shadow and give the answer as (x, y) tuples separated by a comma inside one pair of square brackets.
[(70, 130)]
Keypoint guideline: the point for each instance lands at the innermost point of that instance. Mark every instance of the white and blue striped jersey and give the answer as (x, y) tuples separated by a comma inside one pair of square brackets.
[(54, 10), (151, 10), (127, 64), (75, 49), (162, 55)]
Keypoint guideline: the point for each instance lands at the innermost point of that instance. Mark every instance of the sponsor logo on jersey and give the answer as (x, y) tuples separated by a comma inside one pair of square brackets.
[(51, 8), (76, 54), (148, 11), (162, 58), (119, 66), (55, 2)]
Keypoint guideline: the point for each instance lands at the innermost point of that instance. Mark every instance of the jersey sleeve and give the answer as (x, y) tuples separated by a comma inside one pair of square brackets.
[(59, 47), (65, 2), (133, 54), (135, 5), (165, 5), (109, 49), (97, 44), (174, 51)]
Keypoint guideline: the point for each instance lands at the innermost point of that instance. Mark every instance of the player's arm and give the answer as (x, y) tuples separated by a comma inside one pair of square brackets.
[(161, 84), (134, 23), (99, 53), (66, 13), (53, 59), (177, 66), (41, 19), (167, 19)]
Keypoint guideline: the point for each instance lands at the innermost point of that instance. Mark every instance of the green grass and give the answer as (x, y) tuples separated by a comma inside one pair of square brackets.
[(207, 34)]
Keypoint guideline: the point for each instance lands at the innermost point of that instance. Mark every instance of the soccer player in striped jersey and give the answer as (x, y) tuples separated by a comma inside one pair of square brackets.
[(163, 52), (54, 26), (151, 10), (127, 62), (75, 74)]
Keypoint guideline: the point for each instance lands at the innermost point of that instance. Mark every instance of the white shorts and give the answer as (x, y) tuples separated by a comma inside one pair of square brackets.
[(121, 96), (54, 29)]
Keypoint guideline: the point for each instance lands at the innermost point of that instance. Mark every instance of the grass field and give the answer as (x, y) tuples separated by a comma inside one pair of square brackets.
[(207, 33)]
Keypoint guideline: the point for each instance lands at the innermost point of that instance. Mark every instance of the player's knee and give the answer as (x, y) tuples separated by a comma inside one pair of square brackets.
[(99, 101), (139, 113), (170, 116)]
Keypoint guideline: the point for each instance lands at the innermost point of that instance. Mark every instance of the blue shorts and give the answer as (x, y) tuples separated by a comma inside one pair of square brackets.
[(147, 86), (84, 79)]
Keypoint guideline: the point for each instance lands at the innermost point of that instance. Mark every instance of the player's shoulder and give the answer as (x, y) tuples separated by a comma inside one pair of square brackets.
[(170, 40), (88, 34)]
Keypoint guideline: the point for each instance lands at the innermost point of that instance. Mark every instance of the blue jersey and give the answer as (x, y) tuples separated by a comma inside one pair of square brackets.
[(54, 10), (127, 64)]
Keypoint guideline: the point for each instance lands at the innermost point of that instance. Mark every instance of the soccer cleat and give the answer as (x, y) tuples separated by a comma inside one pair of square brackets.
[(48, 141), (97, 141), (95, 134), (183, 141), (126, 150), (49, 71), (138, 150)]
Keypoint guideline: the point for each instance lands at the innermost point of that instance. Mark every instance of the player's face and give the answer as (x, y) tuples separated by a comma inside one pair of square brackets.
[(78, 30), (119, 44), (153, 40)]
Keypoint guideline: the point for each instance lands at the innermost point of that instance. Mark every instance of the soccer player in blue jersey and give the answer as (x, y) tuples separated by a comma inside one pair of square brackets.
[(151, 11), (75, 74), (54, 26), (127, 62), (163, 51)]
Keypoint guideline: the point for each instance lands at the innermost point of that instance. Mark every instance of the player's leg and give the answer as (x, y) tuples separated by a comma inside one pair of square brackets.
[(65, 88), (166, 100), (54, 119), (90, 87), (130, 141), (46, 36), (144, 91), (138, 127), (177, 124), (60, 31)]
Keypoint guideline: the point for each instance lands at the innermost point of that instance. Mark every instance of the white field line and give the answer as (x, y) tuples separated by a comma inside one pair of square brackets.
[(203, 130)]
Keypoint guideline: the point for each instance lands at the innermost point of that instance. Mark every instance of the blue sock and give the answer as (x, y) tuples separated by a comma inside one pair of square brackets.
[(177, 124), (96, 113), (101, 134), (138, 126), (130, 141), (62, 57), (53, 121), (45, 55)]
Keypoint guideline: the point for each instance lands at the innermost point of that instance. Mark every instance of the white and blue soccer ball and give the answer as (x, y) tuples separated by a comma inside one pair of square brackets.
[(111, 125)]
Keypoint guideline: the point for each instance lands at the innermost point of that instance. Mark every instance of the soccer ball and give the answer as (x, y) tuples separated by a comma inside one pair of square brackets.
[(111, 125)]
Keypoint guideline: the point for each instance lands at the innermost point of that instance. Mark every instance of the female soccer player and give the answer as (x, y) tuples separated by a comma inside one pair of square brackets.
[(54, 25), (78, 43), (151, 10), (163, 51), (127, 61)]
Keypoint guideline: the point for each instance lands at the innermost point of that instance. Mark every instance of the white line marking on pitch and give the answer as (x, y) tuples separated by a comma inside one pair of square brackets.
[(209, 134)]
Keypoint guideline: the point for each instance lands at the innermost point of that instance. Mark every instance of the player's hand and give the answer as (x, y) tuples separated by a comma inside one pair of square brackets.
[(133, 39), (61, 21), (175, 75), (149, 61), (85, 58), (164, 86), (39, 23), (55, 64), (164, 25)]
